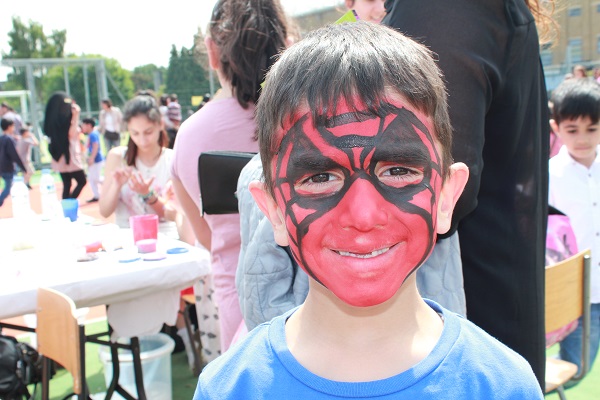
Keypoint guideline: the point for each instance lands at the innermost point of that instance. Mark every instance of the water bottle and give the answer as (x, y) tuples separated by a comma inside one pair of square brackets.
[(19, 194), (50, 206)]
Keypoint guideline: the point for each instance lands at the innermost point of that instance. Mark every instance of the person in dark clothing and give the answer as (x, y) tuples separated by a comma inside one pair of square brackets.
[(8, 156), (488, 51)]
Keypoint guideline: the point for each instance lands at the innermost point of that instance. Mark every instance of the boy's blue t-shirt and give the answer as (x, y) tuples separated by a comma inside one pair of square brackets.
[(94, 137), (466, 363)]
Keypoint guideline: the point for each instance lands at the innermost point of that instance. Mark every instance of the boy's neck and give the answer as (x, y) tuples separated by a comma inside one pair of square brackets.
[(344, 343), (586, 162)]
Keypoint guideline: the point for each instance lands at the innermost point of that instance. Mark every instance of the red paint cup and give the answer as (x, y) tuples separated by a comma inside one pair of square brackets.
[(144, 227)]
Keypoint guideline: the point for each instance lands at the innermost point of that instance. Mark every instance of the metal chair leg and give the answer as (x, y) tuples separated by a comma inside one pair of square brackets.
[(561, 393), (197, 368), (137, 368), (46, 378)]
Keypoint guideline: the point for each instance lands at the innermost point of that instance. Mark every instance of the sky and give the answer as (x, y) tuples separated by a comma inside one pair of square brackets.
[(133, 32)]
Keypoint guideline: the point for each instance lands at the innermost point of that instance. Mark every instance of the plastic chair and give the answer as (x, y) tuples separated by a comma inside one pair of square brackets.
[(60, 339), (567, 299)]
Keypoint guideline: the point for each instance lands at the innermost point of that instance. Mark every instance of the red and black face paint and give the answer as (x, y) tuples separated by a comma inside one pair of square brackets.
[(359, 196)]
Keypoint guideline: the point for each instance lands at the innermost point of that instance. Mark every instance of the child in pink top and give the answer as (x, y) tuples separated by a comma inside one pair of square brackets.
[(227, 123)]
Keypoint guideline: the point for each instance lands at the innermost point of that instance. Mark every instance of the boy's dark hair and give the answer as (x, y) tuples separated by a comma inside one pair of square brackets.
[(248, 33), (146, 105), (164, 99), (89, 121), (24, 129), (6, 123), (361, 64), (575, 98)]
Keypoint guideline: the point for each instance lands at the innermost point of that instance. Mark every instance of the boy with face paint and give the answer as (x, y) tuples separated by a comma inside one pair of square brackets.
[(358, 180)]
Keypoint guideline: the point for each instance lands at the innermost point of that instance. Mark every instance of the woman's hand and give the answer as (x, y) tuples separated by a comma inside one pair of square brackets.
[(138, 184), (121, 176)]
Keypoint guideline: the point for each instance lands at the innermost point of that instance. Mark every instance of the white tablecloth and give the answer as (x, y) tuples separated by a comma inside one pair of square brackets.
[(142, 295)]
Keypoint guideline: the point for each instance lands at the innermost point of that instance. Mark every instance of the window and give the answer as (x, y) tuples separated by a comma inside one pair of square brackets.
[(598, 44), (575, 12), (598, 8), (546, 56), (575, 50)]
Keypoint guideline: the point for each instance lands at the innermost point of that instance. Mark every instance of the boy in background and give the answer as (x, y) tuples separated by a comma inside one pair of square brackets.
[(8, 156), (355, 142), (174, 117), (24, 146), (95, 159), (574, 188)]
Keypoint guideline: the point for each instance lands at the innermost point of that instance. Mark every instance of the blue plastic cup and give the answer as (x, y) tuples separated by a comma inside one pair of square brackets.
[(70, 208)]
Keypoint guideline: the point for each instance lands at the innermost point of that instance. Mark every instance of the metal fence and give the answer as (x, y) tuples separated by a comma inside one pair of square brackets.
[(86, 80)]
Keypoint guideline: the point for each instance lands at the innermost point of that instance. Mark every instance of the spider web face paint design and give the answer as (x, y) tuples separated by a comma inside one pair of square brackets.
[(359, 196)]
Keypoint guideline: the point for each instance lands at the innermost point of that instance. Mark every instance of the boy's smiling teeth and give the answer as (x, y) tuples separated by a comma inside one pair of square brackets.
[(368, 255)]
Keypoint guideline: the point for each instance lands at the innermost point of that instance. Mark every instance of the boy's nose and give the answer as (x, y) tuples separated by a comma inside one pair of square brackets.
[(362, 207)]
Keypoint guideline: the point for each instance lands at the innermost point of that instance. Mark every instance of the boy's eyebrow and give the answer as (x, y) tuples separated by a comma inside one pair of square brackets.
[(348, 118), (412, 153), (312, 163)]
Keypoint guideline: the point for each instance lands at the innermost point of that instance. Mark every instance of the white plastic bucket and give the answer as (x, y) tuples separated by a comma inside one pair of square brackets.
[(155, 354)]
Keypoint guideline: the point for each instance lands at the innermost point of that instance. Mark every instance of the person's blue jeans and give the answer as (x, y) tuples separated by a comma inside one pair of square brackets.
[(570, 347), (8, 178)]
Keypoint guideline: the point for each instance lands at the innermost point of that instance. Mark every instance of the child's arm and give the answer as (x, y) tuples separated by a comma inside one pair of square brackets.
[(115, 176), (14, 156), (199, 224)]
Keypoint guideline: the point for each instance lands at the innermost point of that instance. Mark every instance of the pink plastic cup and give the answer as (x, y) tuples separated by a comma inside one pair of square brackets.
[(144, 227)]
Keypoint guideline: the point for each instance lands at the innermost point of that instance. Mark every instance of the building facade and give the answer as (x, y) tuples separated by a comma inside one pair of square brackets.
[(577, 41)]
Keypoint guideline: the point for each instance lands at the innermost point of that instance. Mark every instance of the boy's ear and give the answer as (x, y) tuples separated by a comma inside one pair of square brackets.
[(212, 52), (554, 126), (269, 207), (451, 190)]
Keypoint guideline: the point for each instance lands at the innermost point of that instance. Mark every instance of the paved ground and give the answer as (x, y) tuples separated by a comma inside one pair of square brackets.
[(90, 209)]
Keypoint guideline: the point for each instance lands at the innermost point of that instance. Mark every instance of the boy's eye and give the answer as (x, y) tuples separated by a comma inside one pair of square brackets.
[(319, 178), (399, 176), (320, 183), (397, 171)]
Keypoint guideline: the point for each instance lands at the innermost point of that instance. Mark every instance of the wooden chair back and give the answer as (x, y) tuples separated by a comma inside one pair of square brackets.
[(58, 333), (567, 298)]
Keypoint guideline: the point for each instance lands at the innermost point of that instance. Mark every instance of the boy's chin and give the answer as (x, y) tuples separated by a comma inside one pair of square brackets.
[(372, 297)]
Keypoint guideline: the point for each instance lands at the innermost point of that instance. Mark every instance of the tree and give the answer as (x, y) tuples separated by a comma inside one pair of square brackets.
[(148, 77), (186, 77), (30, 41)]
